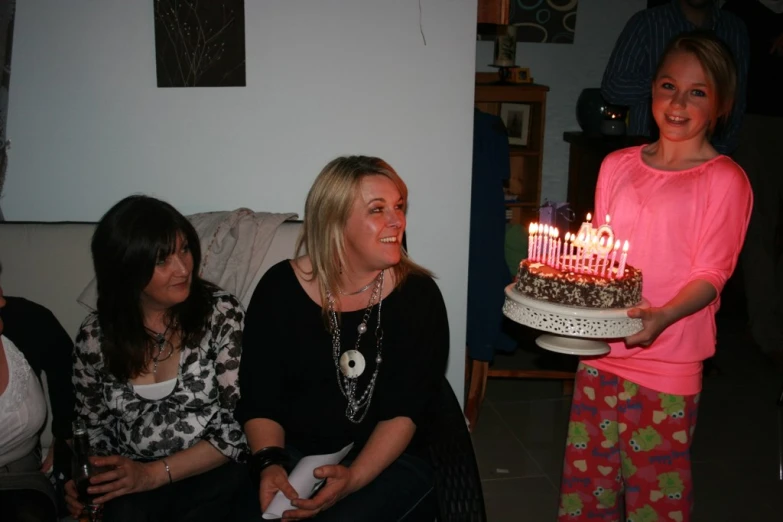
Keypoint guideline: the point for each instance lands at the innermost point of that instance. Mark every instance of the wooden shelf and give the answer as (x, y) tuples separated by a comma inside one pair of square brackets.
[(521, 204), (517, 150), (525, 161)]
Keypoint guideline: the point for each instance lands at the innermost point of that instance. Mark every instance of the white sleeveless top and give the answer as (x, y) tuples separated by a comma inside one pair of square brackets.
[(155, 391), (22, 407)]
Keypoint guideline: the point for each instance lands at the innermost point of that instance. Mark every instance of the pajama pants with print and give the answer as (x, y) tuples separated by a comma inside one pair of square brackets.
[(627, 453)]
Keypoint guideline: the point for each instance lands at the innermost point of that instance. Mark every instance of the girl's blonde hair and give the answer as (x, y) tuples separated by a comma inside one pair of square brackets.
[(718, 63), (327, 208)]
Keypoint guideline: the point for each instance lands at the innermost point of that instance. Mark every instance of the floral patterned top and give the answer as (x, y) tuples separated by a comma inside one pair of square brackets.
[(200, 407)]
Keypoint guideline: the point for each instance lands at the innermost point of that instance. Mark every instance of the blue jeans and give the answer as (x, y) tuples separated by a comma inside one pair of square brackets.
[(402, 492)]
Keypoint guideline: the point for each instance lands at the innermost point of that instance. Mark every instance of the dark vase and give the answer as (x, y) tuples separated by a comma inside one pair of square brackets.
[(590, 110)]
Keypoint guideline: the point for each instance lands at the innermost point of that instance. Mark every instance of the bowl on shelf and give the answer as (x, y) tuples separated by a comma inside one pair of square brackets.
[(598, 117)]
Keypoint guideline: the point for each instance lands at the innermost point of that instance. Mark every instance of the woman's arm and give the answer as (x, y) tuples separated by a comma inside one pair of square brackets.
[(223, 431), (128, 476), (88, 387), (263, 433), (693, 297), (386, 443)]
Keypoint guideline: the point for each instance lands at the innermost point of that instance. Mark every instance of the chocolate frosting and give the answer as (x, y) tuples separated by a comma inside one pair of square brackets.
[(546, 283)]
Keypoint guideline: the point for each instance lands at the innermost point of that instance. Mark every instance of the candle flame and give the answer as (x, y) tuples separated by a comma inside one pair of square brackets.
[(589, 217), (625, 246), (617, 245), (556, 234), (607, 219), (532, 229)]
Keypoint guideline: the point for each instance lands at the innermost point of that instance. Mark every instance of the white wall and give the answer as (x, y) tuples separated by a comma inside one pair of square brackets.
[(324, 78), (567, 69)]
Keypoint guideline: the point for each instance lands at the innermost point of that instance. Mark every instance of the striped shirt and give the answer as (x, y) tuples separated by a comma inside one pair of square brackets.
[(629, 74)]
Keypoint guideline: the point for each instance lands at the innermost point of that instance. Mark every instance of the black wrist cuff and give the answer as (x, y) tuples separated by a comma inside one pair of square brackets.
[(269, 456)]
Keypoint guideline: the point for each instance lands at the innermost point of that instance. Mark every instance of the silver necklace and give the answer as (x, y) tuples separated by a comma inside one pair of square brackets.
[(359, 291), (351, 364), (160, 342)]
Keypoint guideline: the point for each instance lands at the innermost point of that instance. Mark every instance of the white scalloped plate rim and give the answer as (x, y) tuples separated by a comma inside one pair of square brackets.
[(575, 311)]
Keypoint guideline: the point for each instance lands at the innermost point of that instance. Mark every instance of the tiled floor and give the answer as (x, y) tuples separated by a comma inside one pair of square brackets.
[(520, 437)]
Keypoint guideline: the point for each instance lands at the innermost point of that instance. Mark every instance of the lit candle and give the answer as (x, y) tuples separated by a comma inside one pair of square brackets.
[(603, 256), (544, 244), (531, 240), (551, 247), (614, 258), (556, 255), (566, 240), (571, 262), (531, 230), (537, 240), (579, 253), (594, 255), (623, 257)]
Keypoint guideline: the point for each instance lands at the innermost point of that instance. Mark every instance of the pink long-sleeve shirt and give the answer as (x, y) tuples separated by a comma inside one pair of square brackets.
[(681, 226)]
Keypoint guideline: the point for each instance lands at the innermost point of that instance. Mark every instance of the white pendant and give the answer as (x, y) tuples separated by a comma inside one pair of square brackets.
[(352, 364)]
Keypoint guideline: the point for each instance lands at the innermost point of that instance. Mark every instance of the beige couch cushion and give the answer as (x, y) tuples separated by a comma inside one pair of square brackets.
[(48, 263)]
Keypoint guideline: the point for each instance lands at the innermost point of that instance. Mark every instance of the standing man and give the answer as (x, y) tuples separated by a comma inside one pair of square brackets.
[(760, 153), (629, 74)]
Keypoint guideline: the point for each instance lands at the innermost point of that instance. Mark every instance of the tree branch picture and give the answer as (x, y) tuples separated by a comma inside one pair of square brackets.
[(200, 43)]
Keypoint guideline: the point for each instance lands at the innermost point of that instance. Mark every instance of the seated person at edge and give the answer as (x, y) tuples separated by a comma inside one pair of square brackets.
[(346, 343), (155, 373), (31, 341)]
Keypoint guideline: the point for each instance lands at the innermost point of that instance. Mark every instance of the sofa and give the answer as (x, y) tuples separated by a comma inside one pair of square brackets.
[(50, 263)]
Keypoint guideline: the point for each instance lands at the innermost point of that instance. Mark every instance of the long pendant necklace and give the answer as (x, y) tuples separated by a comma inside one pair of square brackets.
[(160, 341), (351, 364)]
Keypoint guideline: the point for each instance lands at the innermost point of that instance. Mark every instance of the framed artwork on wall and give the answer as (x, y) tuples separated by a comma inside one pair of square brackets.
[(200, 44), (553, 21), (516, 117)]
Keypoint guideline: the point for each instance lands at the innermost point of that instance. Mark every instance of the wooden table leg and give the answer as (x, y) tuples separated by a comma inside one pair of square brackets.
[(477, 388)]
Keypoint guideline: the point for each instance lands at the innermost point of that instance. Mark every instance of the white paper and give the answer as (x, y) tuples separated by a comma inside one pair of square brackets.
[(303, 481)]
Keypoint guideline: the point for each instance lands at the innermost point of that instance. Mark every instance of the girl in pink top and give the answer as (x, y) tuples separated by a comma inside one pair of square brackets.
[(685, 209)]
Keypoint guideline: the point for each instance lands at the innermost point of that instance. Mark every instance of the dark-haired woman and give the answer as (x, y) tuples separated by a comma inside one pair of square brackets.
[(155, 373)]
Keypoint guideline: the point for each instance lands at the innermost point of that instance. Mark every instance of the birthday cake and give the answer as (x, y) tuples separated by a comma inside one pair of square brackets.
[(582, 270)]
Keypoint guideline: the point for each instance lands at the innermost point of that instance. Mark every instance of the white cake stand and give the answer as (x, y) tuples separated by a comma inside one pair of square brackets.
[(579, 331)]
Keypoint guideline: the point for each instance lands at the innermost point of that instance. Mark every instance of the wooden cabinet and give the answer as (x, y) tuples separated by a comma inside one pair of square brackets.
[(493, 11), (526, 160)]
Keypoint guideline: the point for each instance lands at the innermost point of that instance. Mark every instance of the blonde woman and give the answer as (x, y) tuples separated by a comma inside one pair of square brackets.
[(346, 343)]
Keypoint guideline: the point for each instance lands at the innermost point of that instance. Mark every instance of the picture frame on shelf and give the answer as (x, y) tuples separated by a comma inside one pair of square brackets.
[(516, 117)]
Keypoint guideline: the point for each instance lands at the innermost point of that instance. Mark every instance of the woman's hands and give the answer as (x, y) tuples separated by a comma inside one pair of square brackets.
[(273, 479), (124, 476), (654, 321), (338, 485)]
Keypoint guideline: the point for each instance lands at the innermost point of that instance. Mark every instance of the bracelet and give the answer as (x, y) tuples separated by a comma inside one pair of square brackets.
[(168, 470), (269, 456)]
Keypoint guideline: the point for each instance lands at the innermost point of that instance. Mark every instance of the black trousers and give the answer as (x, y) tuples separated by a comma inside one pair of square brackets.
[(222, 494)]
